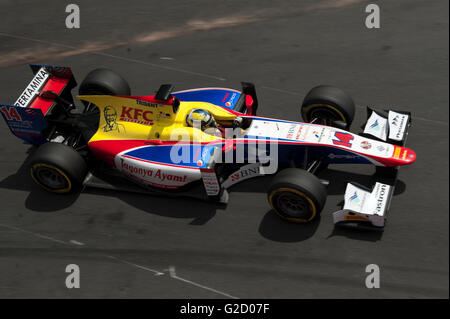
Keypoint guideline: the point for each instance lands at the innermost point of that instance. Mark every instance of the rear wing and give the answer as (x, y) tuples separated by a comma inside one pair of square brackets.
[(26, 116)]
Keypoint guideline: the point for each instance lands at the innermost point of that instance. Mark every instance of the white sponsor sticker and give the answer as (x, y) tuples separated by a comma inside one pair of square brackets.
[(33, 88), (380, 196), (210, 181), (355, 198), (361, 201), (397, 125), (377, 126)]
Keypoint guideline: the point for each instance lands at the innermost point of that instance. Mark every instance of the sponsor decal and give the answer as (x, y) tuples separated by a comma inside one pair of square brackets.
[(404, 154), (225, 97), (397, 152), (338, 156), (343, 139), (299, 132), (291, 131), (394, 121), (151, 173), (110, 116), (375, 126), (33, 88), (397, 125), (210, 181), (163, 115), (355, 217), (316, 134), (354, 198), (131, 114), (381, 198), (380, 148), (366, 145), (243, 173), (144, 103), (230, 102)]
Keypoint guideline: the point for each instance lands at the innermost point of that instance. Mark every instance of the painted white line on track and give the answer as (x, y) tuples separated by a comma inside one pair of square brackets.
[(88, 50), (173, 275), (358, 106), (35, 234), (280, 90), (161, 66), (75, 242), (156, 272)]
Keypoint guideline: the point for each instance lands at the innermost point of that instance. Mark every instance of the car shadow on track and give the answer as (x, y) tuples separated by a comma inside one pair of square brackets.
[(39, 200), (190, 208), (355, 233), (271, 227), (274, 228)]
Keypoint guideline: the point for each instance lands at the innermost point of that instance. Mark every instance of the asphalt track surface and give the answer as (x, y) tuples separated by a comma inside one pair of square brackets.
[(136, 246)]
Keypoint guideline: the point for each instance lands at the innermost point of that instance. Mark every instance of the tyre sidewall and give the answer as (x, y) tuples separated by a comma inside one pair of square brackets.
[(331, 99), (62, 159), (299, 181)]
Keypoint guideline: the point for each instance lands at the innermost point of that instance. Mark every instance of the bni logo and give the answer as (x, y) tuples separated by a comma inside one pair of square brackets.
[(354, 198), (375, 125)]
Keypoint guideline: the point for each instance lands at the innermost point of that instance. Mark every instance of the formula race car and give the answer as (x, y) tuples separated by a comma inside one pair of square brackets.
[(200, 142)]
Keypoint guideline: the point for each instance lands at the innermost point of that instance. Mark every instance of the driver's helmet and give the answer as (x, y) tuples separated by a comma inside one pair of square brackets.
[(204, 117)]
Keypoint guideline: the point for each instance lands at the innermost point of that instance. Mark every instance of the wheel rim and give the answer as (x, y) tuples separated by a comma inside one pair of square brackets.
[(50, 178), (294, 206)]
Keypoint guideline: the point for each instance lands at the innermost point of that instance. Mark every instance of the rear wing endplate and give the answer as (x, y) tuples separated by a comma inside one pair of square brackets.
[(26, 116)]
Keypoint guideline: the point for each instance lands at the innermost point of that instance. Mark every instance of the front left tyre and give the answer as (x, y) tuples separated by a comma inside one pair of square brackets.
[(329, 105), (58, 168)]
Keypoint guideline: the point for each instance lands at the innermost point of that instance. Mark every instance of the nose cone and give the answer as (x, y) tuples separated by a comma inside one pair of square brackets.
[(404, 156)]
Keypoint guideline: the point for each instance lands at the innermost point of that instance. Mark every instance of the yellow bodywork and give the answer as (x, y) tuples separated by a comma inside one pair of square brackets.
[(130, 118)]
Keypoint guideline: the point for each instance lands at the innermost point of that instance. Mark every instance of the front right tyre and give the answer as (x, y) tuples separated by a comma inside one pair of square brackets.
[(296, 195)]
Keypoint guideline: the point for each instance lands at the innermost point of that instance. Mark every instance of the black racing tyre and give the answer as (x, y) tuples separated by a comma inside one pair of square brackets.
[(297, 195), (104, 82), (328, 104), (58, 168)]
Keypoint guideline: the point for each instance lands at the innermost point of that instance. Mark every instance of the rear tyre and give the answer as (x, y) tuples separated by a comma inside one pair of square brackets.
[(330, 105), (104, 82), (297, 195), (58, 168)]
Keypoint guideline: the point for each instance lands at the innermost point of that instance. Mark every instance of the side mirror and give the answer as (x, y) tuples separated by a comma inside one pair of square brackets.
[(164, 91)]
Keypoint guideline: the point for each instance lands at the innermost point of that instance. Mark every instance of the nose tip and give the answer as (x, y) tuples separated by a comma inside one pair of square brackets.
[(410, 156)]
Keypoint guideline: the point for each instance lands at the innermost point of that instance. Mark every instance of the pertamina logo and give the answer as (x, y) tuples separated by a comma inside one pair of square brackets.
[(131, 114)]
